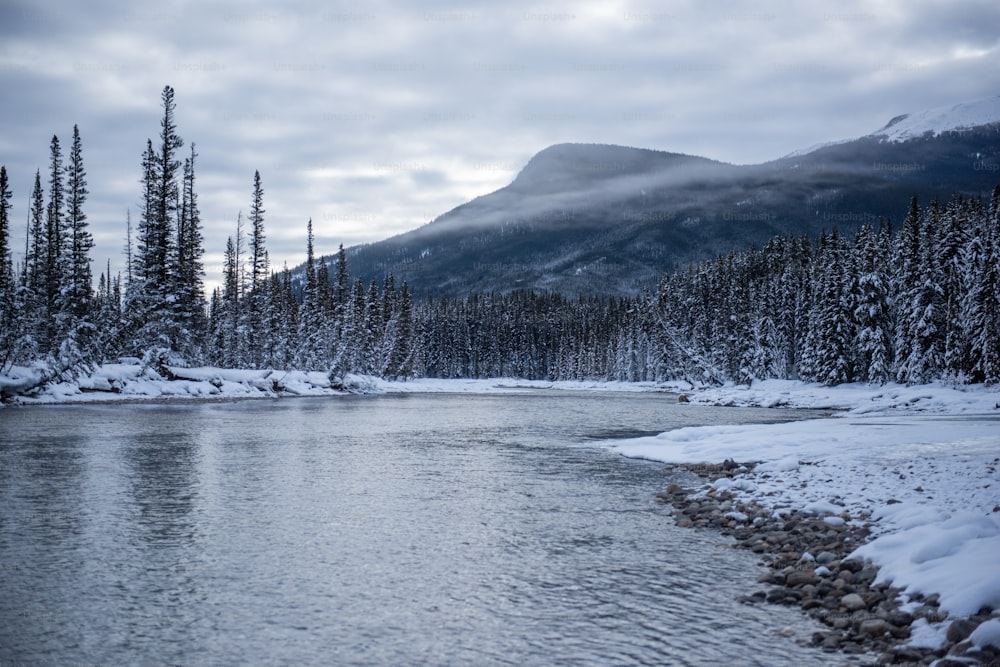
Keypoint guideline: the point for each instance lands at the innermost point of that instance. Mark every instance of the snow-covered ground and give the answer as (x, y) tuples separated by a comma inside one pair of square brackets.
[(922, 462), (118, 382)]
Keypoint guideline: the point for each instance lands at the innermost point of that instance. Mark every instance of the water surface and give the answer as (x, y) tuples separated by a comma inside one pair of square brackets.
[(407, 529)]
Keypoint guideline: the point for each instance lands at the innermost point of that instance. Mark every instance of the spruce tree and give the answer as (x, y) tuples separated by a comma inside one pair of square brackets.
[(871, 310), (983, 310), (257, 300), (258, 253), (8, 286), (55, 241), (79, 278), (189, 302), (155, 294)]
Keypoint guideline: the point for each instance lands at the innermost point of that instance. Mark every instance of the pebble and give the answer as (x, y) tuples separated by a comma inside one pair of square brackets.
[(808, 566)]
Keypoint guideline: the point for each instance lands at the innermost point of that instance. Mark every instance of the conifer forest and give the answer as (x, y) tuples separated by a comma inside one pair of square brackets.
[(913, 301)]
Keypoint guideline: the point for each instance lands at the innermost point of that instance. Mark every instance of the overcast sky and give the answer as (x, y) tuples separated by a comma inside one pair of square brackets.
[(373, 118)]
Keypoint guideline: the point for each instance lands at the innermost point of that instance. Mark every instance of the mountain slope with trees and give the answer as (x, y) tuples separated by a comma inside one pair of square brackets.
[(609, 220)]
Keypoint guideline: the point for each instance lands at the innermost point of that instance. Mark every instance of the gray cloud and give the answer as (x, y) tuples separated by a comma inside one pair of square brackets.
[(374, 119)]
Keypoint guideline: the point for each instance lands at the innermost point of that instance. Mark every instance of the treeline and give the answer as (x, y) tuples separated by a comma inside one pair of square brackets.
[(916, 306), (913, 306)]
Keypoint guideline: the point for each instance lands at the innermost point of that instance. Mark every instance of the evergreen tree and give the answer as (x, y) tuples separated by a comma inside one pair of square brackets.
[(78, 276), (908, 283), (258, 254), (871, 310), (983, 309), (259, 269), (55, 239), (156, 253), (189, 301), (311, 314), (8, 286)]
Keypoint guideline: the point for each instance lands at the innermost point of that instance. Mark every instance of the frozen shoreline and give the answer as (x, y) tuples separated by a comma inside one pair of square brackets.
[(917, 465)]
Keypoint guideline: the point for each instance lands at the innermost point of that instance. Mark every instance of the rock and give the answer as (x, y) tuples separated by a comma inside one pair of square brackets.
[(682, 398), (825, 558), (873, 627), (900, 619), (853, 602), (960, 629), (854, 566), (783, 596), (831, 643), (776, 578), (801, 578), (902, 654), (866, 575)]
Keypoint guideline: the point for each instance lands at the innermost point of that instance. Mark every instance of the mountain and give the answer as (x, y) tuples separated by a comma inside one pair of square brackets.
[(584, 219)]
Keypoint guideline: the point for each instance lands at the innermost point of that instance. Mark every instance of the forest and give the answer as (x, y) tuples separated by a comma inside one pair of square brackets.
[(913, 303)]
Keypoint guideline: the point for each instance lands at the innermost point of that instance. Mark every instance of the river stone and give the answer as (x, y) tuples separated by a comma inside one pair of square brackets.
[(840, 622), (800, 578), (825, 558), (874, 627), (853, 602), (852, 565), (960, 629)]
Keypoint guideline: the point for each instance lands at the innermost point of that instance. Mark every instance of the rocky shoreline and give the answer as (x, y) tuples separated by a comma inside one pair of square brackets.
[(808, 566)]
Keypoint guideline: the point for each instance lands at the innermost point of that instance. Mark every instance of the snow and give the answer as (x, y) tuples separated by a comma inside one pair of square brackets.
[(129, 380), (987, 634), (927, 635), (920, 462), (942, 119)]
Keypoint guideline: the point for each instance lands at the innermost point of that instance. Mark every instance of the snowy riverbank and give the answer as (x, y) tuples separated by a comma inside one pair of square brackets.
[(133, 382), (919, 463)]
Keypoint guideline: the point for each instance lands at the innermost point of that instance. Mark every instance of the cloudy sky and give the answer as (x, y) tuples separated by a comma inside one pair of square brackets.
[(373, 118)]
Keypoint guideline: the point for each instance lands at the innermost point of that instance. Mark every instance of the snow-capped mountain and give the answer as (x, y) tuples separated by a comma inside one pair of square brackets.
[(954, 118), (597, 219)]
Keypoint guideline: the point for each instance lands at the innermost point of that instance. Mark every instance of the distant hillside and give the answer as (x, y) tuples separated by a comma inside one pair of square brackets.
[(595, 219)]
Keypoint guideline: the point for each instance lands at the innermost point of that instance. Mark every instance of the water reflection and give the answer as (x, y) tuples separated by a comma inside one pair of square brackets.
[(163, 485), (51, 490)]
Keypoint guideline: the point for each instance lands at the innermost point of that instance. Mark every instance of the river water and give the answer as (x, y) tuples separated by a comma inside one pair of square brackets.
[(384, 530)]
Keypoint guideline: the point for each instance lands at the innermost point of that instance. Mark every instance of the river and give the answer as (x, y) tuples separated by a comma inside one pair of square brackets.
[(378, 530)]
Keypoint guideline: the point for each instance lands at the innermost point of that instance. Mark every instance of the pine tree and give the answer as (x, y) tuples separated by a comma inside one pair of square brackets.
[(907, 287), (77, 274), (155, 294), (189, 301), (401, 341), (257, 300), (983, 310), (8, 285), (830, 322), (55, 240), (871, 310), (258, 253), (309, 355)]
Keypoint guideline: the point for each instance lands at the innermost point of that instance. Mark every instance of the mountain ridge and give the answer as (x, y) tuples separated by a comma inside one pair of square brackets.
[(589, 219)]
